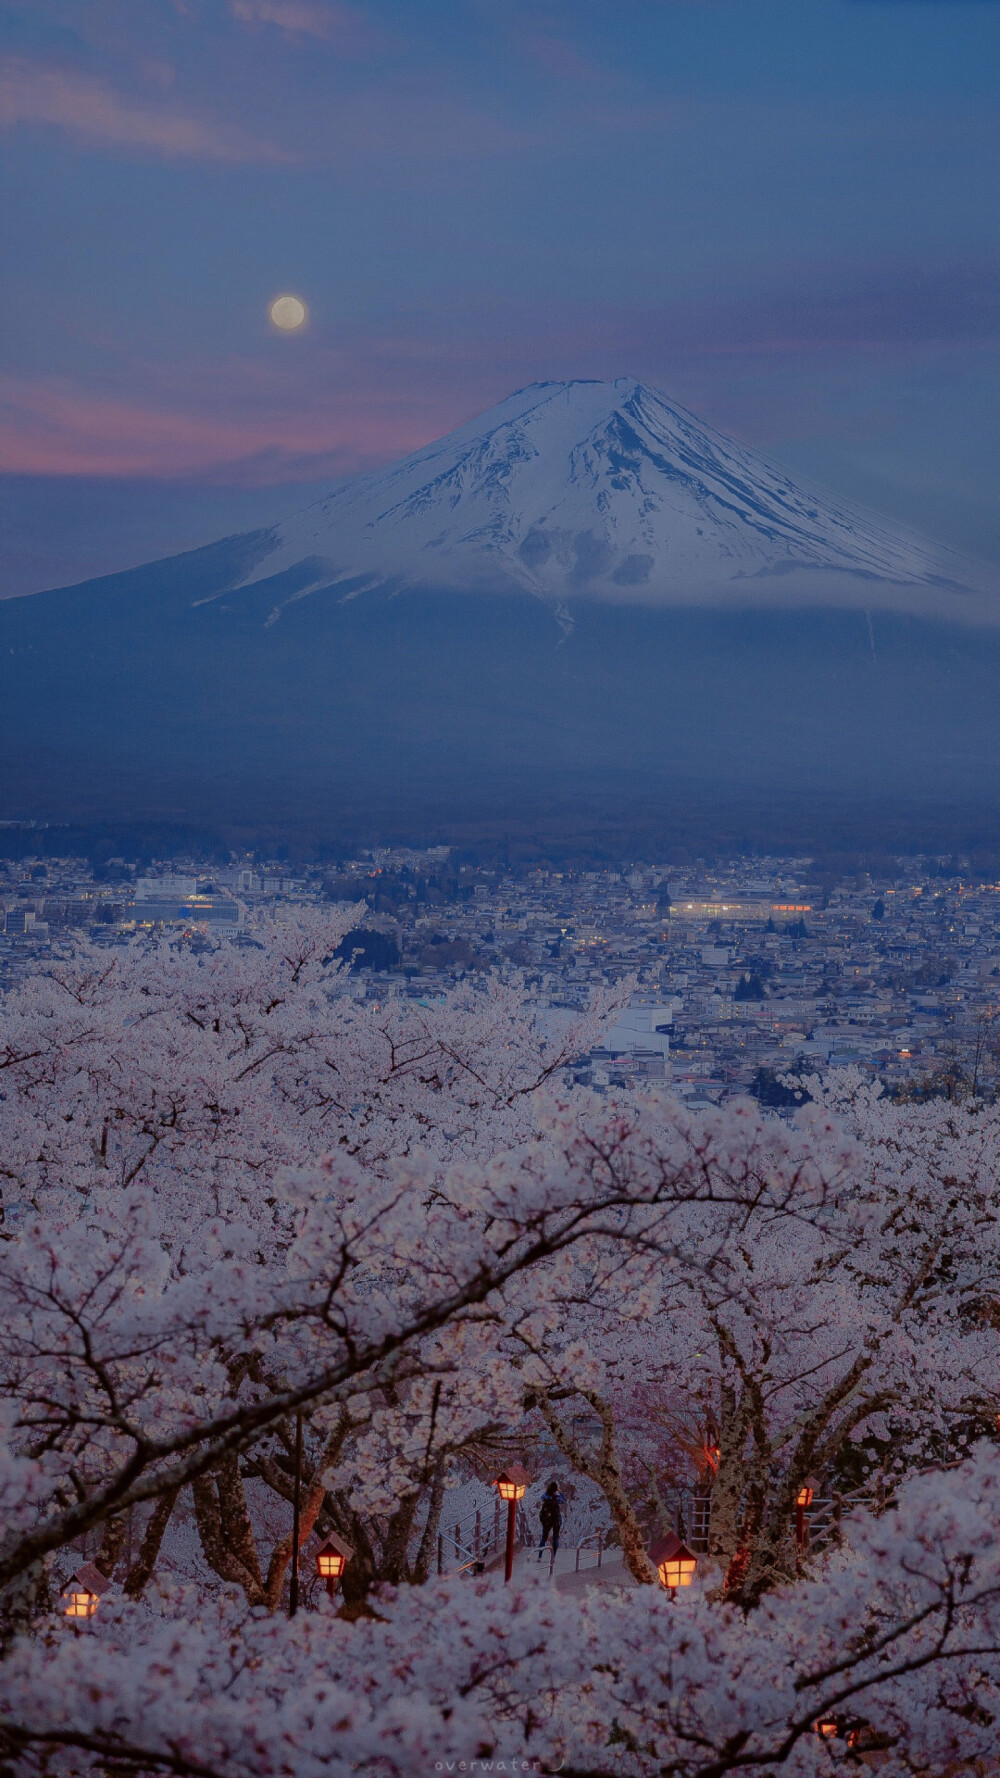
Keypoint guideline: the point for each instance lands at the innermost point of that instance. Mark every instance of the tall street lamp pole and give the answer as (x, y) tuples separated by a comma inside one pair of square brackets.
[(510, 1487), (293, 1585)]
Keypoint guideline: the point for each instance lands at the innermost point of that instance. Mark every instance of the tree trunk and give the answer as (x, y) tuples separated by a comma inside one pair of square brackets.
[(234, 1513), (112, 1544), (727, 1488), (361, 1572), (772, 1548), (753, 1557), (225, 1531), (141, 1571), (425, 1552), (397, 1539), (602, 1467), (22, 1603)]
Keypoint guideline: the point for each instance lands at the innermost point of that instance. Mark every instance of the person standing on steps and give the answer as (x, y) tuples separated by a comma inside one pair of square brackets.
[(550, 1513)]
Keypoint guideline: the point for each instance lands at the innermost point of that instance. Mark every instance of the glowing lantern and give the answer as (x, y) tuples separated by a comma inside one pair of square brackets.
[(82, 1592), (804, 1498), (826, 1728), (673, 1562), (512, 1484), (332, 1558), (510, 1487), (81, 1604)]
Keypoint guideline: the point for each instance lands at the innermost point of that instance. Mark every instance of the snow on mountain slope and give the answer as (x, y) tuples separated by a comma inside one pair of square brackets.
[(608, 490)]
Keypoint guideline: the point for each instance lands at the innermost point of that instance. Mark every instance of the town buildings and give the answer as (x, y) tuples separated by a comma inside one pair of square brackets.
[(746, 975)]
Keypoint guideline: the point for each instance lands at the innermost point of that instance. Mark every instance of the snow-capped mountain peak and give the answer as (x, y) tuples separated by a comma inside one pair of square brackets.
[(606, 489)]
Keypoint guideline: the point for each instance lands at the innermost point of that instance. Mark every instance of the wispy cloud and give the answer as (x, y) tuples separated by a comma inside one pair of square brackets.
[(561, 58), (341, 26), (90, 109)]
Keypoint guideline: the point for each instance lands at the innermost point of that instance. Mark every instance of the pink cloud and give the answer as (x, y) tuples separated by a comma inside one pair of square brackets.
[(343, 401), (65, 99), (53, 427)]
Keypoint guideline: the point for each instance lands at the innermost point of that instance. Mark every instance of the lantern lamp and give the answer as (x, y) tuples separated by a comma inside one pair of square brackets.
[(82, 1592), (673, 1562), (826, 1728), (332, 1558), (512, 1484), (80, 1603), (510, 1487), (805, 1494)]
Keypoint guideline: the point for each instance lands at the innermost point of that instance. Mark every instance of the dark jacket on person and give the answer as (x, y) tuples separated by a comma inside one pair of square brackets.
[(550, 1511)]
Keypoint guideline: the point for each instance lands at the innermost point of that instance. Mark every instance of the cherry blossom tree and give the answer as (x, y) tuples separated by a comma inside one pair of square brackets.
[(207, 1072), (171, 1304), (234, 1196), (155, 1097), (895, 1646), (826, 1338)]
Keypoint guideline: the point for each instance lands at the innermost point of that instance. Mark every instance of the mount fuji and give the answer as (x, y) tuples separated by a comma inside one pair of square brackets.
[(606, 490), (585, 598)]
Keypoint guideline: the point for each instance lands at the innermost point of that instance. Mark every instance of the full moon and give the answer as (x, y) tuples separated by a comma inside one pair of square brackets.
[(288, 313)]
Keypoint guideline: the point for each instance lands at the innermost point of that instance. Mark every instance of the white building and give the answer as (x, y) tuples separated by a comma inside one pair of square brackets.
[(165, 888), (641, 1028)]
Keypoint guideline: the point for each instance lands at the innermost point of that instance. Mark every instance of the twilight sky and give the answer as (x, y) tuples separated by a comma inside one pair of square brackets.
[(781, 212)]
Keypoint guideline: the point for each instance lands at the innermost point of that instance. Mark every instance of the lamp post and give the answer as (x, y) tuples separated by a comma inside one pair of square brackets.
[(510, 1487), (673, 1561), (803, 1501), (293, 1584), (331, 1559)]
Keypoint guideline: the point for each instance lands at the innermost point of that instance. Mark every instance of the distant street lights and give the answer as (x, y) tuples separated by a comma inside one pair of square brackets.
[(510, 1487), (673, 1561)]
